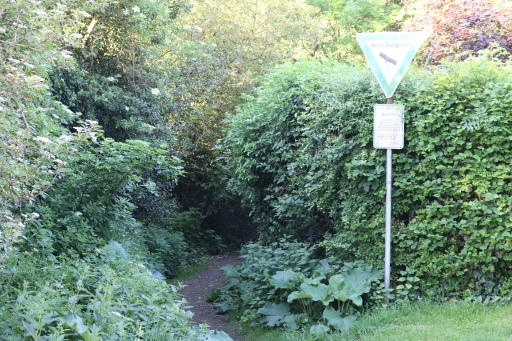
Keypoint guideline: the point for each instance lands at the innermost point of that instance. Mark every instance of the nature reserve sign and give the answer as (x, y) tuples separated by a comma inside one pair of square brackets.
[(389, 55)]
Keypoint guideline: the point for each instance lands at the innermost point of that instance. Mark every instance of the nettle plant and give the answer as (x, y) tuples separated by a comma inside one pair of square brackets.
[(283, 285), (109, 296)]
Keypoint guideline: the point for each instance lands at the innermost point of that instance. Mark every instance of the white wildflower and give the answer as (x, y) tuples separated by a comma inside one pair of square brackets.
[(41, 13), (21, 225), (66, 138), (28, 65), (66, 54), (58, 11), (111, 79), (76, 35), (84, 14), (78, 213), (42, 139), (36, 79), (136, 9), (60, 162), (59, 6), (126, 108), (35, 215), (91, 122), (155, 92)]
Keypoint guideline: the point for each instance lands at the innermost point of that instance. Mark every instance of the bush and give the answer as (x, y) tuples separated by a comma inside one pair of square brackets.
[(302, 156), (109, 296)]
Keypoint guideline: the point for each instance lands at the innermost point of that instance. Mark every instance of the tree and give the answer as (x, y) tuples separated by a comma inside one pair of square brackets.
[(460, 26), (223, 49), (35, 37), (346, 18)]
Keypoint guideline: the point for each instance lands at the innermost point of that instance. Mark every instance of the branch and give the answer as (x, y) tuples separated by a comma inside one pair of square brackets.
[(20, 45)]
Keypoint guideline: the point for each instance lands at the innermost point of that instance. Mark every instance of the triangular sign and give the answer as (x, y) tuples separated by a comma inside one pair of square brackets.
[(389, 55)]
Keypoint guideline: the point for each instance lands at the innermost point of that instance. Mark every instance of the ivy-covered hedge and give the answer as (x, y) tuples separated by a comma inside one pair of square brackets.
[(302, 156)]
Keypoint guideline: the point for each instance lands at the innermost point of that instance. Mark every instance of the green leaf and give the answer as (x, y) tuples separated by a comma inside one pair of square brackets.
[(77, 324), (291, 322), (297, 295), (274, 314), (318, 292), (216, 335), (222, 307), (358, 279), (284, 279), (318, 330), (335, 320), (29, 327)]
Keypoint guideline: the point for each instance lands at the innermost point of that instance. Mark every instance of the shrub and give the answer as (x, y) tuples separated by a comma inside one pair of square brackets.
[(302, 156), (92, 201)]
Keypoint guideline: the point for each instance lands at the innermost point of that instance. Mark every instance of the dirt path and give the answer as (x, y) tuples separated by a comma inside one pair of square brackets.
[(200, 286)]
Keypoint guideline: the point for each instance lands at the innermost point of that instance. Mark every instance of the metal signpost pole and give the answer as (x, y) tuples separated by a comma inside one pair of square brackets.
[(389, 55), (387, 242)]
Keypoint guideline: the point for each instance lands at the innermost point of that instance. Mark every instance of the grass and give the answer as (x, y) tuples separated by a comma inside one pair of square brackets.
[(419, 321), (190, 270)]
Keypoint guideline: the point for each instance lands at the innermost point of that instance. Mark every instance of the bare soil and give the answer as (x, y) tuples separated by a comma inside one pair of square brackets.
[(200, 286)]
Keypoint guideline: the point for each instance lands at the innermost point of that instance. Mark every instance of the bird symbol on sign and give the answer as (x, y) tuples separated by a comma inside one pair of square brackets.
[(387, 59)]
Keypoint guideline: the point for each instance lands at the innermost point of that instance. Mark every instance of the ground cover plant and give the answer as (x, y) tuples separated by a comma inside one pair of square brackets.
[(302, 157), (283, 285)]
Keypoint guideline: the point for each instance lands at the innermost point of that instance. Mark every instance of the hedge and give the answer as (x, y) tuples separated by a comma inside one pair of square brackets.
[(301, 154)]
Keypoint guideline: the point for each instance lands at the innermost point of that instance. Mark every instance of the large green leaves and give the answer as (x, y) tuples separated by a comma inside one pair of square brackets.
[(335, 320), (286, 279), (353, 284), (274, 314)]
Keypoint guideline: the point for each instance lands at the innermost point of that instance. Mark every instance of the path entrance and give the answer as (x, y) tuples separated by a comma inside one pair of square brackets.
[(201, 285)]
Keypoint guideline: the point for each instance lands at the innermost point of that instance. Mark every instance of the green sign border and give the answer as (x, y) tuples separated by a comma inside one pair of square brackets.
[(363, 38)]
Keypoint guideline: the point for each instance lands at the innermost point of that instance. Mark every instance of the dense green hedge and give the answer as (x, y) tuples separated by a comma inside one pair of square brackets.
[(302, 155)]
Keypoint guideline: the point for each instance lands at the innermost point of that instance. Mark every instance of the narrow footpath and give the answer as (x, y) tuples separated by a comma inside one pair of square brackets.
[(200, 286)]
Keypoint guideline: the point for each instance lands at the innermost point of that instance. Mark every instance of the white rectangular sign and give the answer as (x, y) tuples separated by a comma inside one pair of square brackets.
[(388, 126)]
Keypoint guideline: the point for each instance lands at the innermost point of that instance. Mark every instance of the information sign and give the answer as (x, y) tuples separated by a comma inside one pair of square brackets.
[(388, 126)]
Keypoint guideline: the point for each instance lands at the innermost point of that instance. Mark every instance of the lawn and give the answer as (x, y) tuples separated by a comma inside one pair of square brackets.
[(419, 321)]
